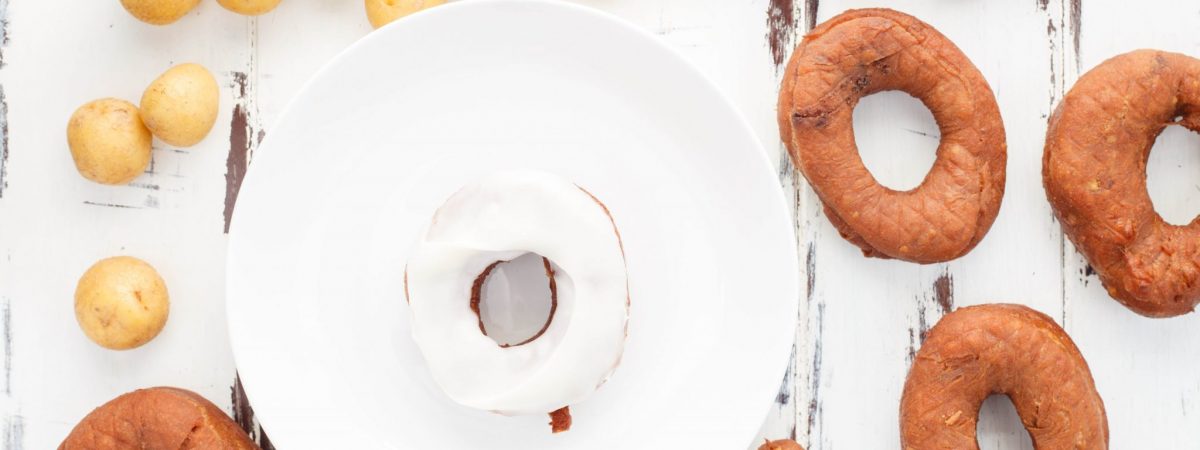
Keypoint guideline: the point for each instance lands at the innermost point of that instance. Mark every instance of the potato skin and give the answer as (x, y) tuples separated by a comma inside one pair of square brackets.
[(108, 141), (121, 303), (159, 12), (249, 7), (180, 106), (383, 12)]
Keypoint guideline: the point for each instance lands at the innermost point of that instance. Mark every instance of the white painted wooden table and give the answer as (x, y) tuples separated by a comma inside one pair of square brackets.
[(860, 322)]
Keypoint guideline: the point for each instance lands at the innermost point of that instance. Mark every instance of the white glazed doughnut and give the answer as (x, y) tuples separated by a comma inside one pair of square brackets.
[(499, 218)]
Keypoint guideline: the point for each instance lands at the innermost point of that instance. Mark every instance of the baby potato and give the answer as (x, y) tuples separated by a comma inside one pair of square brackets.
[(383, 12), (108, 141), (159, 12), (249, 7), (180, 107), (121, 303)]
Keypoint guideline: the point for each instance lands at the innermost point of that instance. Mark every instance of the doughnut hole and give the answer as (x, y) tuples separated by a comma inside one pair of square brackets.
[(516, 300), (999, 426), (1173, 175), (897, 138)]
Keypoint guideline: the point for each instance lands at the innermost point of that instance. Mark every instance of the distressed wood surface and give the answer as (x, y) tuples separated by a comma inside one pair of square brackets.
[(1147, 369), (860, 323)]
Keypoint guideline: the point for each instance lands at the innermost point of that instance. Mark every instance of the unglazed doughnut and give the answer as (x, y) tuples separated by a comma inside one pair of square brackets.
[(978, 351), (159, 418), (862, 52), (782, 444), (499, 218), (1094, 170)]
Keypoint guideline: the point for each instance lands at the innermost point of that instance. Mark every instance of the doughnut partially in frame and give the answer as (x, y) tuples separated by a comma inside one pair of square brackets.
[(161, 418), (977, 351)]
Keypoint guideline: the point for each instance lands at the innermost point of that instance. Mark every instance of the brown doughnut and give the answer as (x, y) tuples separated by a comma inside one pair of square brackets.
[(1094, 170), (782, 444), (159, 418), (859, 53), (978, 351)]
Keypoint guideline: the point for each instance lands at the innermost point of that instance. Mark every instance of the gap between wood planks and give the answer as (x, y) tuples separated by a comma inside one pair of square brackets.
[(783, 19), (245, 133), (1063, 31), (4, 40), (245, 129), (14, 424)]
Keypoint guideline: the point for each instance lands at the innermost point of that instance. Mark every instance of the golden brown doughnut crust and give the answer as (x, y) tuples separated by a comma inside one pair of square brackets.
[(1094, 170), (978, 351), (560, 420), (782, 444), (159, 418), (859, 53)]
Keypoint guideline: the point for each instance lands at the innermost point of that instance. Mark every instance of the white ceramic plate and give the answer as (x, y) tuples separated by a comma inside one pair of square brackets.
[(353, 170)]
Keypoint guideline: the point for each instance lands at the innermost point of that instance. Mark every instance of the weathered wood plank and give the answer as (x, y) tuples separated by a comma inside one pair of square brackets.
[(4, 41), (54, 224), (869, 316), (786, 21), (1146, 369)]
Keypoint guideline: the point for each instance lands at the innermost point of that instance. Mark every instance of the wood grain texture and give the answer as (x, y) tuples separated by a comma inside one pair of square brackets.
[(4, 41), (243, 414), (3, 135), (786, 21), (13, 425), (781, 29), (241, 140), (860, 320), (54, 224)]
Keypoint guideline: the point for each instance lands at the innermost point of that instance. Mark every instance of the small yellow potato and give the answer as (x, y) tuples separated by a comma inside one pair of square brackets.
[(249, 7), (159, 12), (383, 12), (121, 303), (108, 141), (180, 107)]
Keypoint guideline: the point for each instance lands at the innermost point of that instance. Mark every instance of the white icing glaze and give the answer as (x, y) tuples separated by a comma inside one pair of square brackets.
[(498, 218)]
